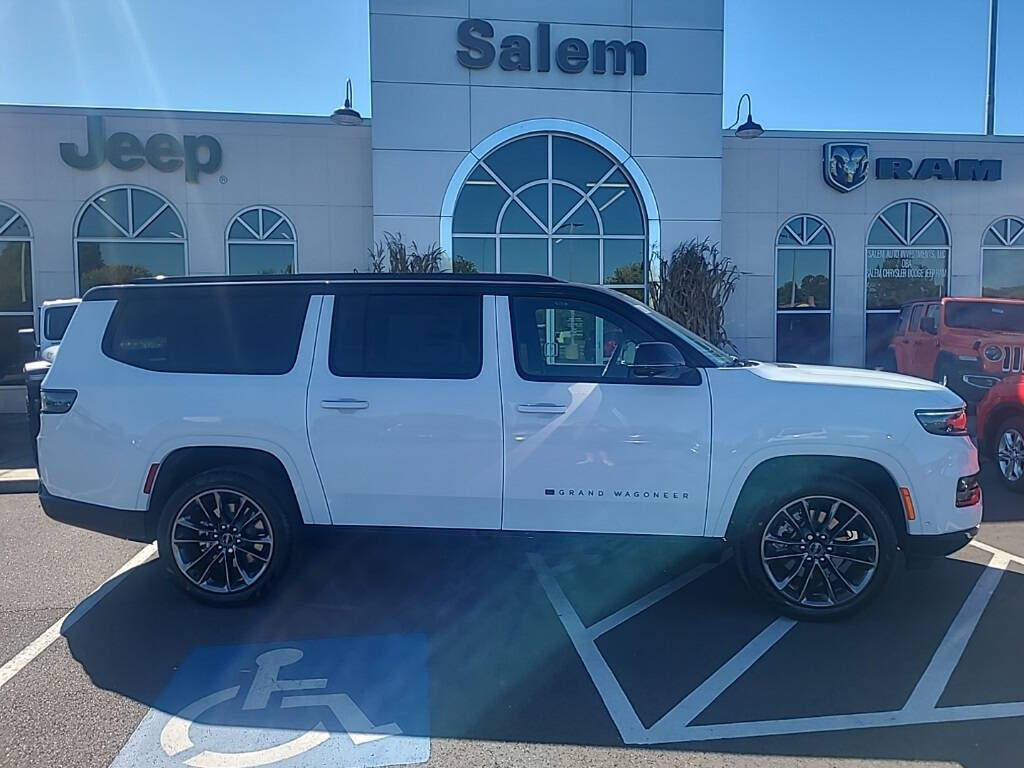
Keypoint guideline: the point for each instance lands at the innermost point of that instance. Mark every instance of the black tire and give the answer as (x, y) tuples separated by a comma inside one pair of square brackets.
[(849, 582), (945, 372), (1006, 451), (264, 543)]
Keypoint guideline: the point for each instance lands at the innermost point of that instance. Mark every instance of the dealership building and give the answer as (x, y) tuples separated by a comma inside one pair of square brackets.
[(575, 139)]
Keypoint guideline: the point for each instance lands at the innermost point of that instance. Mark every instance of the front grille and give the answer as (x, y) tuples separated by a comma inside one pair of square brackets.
[(1013, 359)]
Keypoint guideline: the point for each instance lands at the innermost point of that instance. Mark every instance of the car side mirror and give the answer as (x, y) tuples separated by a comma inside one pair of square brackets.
[(928, 326), (657, 360)]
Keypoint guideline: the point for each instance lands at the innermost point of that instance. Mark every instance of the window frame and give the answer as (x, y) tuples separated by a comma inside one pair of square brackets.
[(653, 329), (369, 291), (1013, 244), (804, 243), (30, 239), (261, 237), (76, 239)]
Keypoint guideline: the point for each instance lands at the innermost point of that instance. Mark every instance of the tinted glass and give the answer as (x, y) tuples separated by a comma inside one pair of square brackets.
[(167, 224), (803, 338), (580, 164), (261, 258), (95, 224), (558, 339), (524, 256), (984, 316), (415, 336), (803, 280), (55, 324), (879, 331), (229, 330), (15, 349), (624, 262), (473, 254), (1003, 273), (517, 221), (478, 207), (896, 276), (144, 205), (115, 204), (111, 263), (915, 318), (16, 276), (521, 161), (576, 260)]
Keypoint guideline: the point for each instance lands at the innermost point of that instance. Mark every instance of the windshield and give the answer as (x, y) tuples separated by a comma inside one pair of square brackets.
[(55, 321), (984, 316), (718, 357)]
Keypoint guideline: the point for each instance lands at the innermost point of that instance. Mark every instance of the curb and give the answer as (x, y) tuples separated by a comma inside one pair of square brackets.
[(19, 481)]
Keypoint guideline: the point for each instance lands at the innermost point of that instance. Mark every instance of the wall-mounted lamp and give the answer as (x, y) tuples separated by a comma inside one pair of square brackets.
[(749, 129), (346, 115)]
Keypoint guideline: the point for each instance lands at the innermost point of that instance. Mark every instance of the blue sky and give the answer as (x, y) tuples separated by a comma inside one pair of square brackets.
[(901, 65)]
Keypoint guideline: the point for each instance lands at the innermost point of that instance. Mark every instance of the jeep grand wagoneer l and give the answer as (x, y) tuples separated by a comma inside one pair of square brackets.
[(216, 415)]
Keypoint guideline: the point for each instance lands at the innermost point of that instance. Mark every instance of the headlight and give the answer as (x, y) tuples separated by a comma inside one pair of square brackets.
[(951, 421), (993, 353)]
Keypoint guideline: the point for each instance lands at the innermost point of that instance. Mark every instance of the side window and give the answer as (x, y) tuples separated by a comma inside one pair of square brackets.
[(558, 340), (901, 325), (407, 336), (933, 312), (915, 318), (237, 330)]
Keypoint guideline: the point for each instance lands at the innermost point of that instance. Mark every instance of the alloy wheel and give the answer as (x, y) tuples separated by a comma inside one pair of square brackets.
[(222, 541), (819, 551), (1010, 453)]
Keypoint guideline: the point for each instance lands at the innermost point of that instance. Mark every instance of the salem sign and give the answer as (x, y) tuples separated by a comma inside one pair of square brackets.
[(198, 154), (572, 55)]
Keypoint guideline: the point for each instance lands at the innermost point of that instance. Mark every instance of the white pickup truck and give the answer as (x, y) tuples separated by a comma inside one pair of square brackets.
[(216, 415)]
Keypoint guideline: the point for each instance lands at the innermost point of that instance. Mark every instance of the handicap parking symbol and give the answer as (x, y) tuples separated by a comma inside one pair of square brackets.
[(352, 702)]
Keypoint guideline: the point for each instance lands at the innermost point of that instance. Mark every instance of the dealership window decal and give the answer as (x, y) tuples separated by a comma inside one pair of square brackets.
[(1002, 259), (261, 241), (17, 302), (126, 233), (906, 259), (803, 277), (554, 204)]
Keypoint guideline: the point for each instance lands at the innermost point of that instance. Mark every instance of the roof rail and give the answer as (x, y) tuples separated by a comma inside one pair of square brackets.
[(340, 277)]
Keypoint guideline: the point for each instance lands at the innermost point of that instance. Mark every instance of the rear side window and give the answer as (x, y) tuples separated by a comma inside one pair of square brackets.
[(915, 318), (229, 330), (414, 336), (901, 326), (57, 320)]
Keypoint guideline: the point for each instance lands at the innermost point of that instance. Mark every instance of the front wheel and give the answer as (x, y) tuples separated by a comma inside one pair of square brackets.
[(820, 551), (224, 536), (1010, 453)]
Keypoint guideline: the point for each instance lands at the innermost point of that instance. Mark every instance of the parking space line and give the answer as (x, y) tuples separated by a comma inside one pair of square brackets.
[(994, 551), (45, 640), (640, 605), (935, 678)]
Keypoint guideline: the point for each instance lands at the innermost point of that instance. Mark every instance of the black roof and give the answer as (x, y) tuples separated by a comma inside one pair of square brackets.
[(344, 277)]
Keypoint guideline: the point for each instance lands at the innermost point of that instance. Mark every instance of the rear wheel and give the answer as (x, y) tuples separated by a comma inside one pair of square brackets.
[(819, 551), (225, 536), (1010, 453)]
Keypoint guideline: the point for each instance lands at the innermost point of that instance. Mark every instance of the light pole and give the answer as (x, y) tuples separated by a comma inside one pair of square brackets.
[(990, 93)]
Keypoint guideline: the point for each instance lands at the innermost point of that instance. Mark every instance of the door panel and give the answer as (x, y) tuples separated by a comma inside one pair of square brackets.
[(601, 453), (401, 451)]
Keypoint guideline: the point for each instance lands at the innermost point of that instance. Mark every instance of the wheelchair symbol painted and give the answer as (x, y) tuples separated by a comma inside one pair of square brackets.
[(175, 738)]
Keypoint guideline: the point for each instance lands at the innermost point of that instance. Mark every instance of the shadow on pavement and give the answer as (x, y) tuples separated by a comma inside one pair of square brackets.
[(500, 667)]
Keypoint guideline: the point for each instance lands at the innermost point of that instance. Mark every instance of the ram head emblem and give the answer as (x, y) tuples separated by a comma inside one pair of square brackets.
[(846, 165)]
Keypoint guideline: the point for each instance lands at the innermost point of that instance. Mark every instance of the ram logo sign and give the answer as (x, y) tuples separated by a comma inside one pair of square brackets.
[(845, 165)]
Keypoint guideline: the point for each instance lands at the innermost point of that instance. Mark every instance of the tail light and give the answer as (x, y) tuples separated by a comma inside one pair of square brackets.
[(968, 491), (951, 421), (57, 400)]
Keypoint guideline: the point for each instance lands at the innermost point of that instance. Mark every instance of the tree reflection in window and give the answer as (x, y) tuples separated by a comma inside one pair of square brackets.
[(553, 204), (803, 281), (1002, 264)]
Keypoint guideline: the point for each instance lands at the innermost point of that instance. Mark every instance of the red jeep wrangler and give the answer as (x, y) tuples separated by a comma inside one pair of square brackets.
[(967, 344)]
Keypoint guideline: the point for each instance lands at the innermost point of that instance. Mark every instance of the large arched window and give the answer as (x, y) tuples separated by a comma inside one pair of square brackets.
[(261, 241), (16, 299), (907, 258), (552, 204), (1002, 259), (803, 280), (126, 233)]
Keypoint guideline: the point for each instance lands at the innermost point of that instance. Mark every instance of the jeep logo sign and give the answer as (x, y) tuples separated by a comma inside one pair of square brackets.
[(572, 55), (200, 154)]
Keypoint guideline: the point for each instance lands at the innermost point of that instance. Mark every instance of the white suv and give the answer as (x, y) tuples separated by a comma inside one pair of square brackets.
[(216, 415)]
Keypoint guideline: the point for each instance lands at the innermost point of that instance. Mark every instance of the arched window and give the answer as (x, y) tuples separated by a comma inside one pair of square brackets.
[(907, 259), (803, 280), (261, 241), (552, 204), (126, 233), (16, 299), (1002, 259)]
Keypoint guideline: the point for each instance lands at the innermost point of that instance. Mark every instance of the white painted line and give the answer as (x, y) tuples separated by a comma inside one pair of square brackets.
[(45, 640), (935, 678), (701, 697), (615, 700), (993, 551), (626, 613)]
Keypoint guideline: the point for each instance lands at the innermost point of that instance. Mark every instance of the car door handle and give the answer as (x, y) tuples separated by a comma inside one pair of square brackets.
[(552, 408), (345, 404)]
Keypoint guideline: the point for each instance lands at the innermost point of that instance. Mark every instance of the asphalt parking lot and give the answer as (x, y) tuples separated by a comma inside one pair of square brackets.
[(465, 649)]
